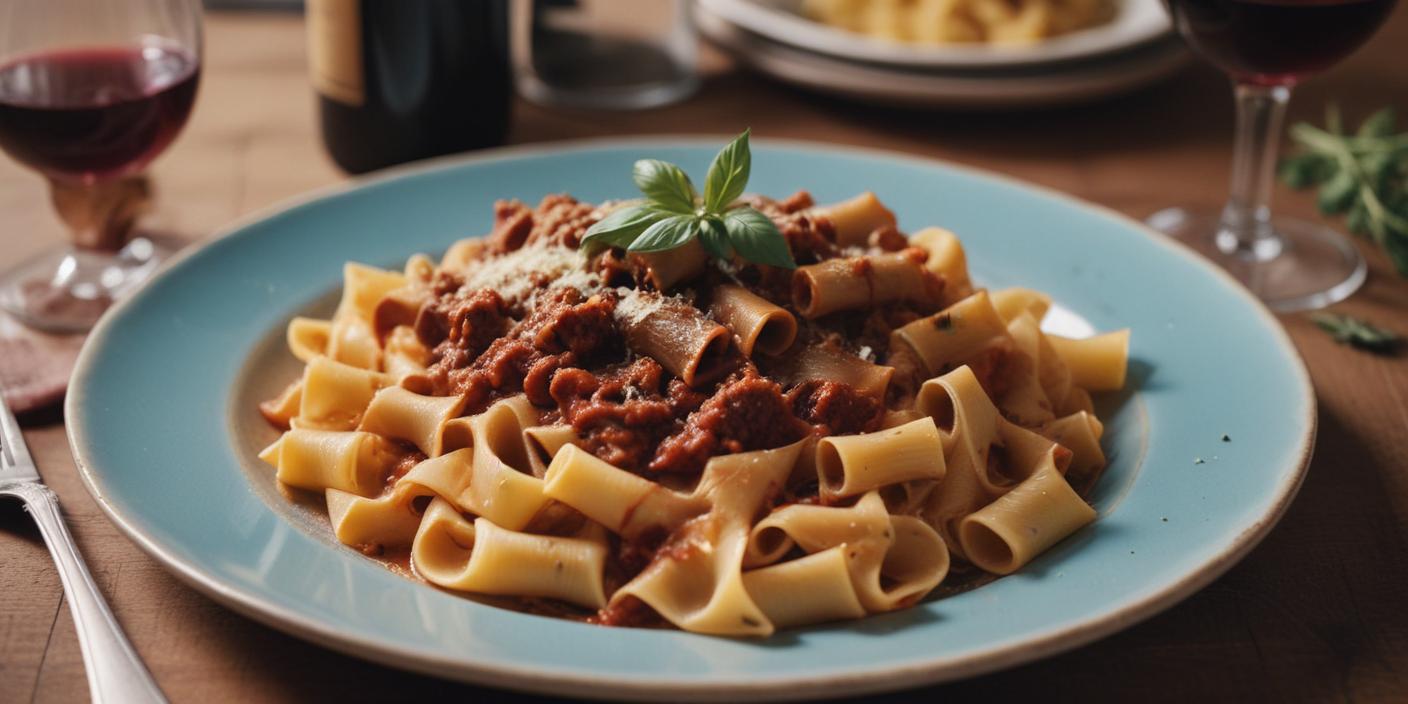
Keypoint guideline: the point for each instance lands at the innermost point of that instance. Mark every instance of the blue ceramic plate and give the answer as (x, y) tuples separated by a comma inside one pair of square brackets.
[(162, 421)]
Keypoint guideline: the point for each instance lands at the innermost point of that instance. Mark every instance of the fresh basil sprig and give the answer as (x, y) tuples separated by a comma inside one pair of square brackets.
[(1363, 176), (673, 213), (1357, 333)]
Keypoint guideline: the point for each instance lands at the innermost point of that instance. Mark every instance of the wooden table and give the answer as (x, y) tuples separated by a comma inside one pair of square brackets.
[(1317, 612)]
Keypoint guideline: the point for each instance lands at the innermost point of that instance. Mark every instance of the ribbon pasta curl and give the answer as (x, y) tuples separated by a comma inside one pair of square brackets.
[(974, 461)]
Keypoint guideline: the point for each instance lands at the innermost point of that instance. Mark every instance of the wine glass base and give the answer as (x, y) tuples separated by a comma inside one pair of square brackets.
[(643, 97), (1308, 266), (66, 289)]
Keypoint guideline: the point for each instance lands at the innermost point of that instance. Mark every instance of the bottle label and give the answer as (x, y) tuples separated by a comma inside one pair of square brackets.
[(335, 49)]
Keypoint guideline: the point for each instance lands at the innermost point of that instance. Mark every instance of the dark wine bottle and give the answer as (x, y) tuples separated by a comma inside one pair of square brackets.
[(399, 80)]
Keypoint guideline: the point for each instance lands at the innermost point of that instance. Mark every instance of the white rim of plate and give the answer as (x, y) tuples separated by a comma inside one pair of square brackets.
[(1053, 86), (1136, 22), (527, 678)]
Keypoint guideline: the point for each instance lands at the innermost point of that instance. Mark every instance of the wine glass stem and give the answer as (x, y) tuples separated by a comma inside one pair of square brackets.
[(100, 214), (1245, 230)]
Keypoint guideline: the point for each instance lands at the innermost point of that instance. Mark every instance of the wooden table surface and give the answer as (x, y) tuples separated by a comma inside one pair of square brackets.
[(1316, 613)]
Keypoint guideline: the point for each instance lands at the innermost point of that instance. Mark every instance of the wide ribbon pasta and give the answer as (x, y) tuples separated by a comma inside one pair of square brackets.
[(725, 448)]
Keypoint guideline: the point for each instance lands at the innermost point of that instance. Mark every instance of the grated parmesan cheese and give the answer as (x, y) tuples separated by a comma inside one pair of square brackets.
[(635, 305), (585, 282), (512, 275)]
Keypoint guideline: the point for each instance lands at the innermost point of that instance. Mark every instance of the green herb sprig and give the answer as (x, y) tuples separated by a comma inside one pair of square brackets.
[(1363, 176), (673, 213), (1357, 333)]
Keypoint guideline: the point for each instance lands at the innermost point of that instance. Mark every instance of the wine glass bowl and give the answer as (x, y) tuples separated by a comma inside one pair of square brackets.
[(1266, 47), (1277, 42), (90, 93)]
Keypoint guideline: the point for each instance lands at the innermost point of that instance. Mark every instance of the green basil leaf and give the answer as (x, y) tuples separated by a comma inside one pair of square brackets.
[(669, 233), (1357, 333), (714, 236), (728, 174), (666, 185), (1378, 125), (757, 239), (621, 226)]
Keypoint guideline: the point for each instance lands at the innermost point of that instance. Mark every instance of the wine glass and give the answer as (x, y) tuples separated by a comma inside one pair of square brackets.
[(90, 92), (1266, 47), (604, 54)]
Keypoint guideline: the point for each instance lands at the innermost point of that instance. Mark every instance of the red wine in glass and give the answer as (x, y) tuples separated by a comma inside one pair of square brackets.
[(91, 91), (1276, 42), (1266, 47), (94, 113)]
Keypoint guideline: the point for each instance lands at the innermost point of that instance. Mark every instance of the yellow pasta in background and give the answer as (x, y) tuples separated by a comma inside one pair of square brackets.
[(960, 21)]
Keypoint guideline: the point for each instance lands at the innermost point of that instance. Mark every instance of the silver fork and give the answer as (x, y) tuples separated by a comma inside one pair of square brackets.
[(115, 672)]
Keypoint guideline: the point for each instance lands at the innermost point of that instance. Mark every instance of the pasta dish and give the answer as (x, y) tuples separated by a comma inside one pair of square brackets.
[(668, 436), (961, 21)]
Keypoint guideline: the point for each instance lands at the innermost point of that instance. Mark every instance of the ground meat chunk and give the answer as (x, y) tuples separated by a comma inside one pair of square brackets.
[(620, 415), (810, 239), (500, 370), (513, 222), (537, 382), (746, 413), (467, 321), (561, 220), (476, 320), (800, 200), (834, 408), (888, 238), (584, 327)]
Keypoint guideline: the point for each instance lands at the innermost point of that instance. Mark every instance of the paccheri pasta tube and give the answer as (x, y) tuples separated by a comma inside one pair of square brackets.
[(726, 447)]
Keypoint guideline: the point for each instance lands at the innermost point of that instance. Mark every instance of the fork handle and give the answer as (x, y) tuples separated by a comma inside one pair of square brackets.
[(115, 672)]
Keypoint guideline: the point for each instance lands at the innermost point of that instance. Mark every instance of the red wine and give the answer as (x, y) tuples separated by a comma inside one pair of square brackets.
[(1277, 42), (400, 80), (98, 112)]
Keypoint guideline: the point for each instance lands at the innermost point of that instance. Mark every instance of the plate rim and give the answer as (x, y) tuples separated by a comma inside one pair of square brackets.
[(785, 27), (754, 687), (1066, 84)]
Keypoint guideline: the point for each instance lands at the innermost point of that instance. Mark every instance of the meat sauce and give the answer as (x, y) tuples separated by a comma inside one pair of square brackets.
[(565, 349), (566, 353)]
